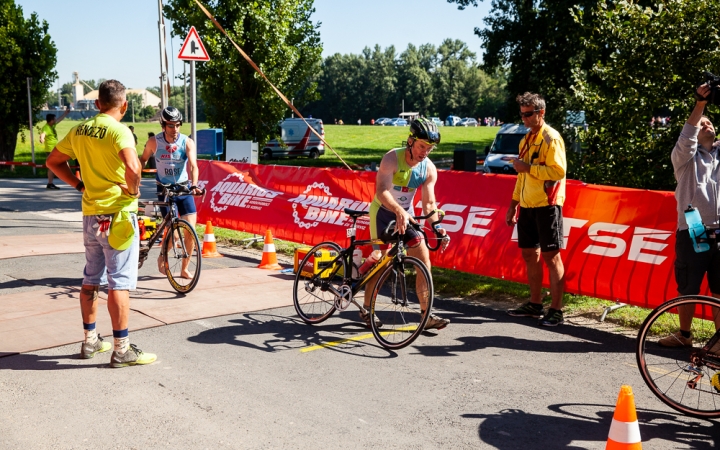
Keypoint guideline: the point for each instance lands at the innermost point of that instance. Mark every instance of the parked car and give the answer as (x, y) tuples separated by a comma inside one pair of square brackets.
[(451, 121), (468, 122), (505, 148), (381, 121), (398, 122), (296, 139), (437, 121)]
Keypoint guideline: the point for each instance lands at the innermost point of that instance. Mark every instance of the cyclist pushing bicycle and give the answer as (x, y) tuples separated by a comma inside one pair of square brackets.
[(176, 160), (402, 172)]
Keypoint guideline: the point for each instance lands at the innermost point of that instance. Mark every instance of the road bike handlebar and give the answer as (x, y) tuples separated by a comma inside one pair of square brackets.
[(441, 240), (174, 190)]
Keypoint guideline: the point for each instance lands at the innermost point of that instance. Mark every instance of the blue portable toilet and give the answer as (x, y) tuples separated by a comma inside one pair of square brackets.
[(210, 142)]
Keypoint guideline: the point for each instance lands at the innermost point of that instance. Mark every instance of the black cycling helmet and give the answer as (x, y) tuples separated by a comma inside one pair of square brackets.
[(170, 114), (422, 128)]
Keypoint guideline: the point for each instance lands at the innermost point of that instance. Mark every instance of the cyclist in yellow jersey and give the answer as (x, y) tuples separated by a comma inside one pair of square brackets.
[(105, 150), (539, 193), (48, 136), (402, 172)]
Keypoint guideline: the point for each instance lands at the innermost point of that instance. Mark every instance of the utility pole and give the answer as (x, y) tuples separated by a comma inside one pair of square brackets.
[(163, 69), (32, 139)]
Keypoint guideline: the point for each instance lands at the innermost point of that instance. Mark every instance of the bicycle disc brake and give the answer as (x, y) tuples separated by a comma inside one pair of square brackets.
[(343, 300)]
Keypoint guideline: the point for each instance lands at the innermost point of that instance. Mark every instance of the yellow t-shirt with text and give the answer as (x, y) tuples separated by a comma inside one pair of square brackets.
[(545, 184), (96, 144)]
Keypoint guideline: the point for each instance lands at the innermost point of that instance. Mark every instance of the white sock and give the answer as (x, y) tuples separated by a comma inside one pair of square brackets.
[(91, 336), (122, 345)]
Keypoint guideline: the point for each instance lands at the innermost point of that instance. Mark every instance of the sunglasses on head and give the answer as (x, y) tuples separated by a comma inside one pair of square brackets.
[(529, 113)]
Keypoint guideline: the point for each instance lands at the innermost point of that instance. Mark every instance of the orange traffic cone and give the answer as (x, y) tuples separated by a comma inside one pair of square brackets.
[(269, 257), (624, 431), (209, 248)]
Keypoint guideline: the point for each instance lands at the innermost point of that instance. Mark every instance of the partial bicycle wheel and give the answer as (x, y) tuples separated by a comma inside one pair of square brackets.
[(402, 300), (686, 377), (319, 277), (182, 256)]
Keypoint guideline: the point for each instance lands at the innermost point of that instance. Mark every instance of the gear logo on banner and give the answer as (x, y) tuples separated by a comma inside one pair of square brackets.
[(234, 191), (318, 205)]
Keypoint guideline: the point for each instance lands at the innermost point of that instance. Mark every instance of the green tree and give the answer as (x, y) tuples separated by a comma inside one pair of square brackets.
[(456, 81), (657, 56), (278, 35), (27, 51), (415, 82)]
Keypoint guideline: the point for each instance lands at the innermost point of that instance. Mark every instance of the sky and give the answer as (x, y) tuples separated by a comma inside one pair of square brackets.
[(102, 39)]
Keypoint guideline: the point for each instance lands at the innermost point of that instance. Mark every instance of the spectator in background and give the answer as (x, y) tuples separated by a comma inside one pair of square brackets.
[(694, 160), (372, 121), (48, 136), (540, 194), (359, 121), (132, 130), (340, 122), (151, 162)]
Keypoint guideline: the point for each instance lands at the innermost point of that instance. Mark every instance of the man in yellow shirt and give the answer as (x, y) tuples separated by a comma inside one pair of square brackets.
[(48, 136), (105, 150), (539, 194)]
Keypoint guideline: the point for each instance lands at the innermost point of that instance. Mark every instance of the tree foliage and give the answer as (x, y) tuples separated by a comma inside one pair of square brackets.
[(26, 50), (435, 81), (277, 34), (653, 57)]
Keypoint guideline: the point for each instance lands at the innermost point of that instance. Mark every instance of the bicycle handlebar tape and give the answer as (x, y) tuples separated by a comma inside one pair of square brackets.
[(624, 431), (209, 249), (269, 257)]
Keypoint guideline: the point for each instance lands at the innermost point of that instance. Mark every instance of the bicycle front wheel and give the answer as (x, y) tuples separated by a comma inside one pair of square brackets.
[(319, 277), (402, 300), (181, 255), (686, 378)]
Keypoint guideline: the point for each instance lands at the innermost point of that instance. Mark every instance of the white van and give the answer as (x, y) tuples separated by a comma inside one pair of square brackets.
[(296, 139), (505, 148)]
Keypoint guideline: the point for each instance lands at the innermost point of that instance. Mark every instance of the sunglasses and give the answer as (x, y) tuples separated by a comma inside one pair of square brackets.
[(529, 113), (173, 125)]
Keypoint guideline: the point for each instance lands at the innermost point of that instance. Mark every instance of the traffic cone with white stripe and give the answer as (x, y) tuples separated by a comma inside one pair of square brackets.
[(624, 431), (209, 248), (269, 257)]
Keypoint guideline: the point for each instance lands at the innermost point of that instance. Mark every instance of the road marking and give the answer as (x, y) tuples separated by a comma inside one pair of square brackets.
[(356, 338)]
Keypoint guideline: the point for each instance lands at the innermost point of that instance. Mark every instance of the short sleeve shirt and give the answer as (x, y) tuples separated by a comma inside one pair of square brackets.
[(50, 137), (96, 145)]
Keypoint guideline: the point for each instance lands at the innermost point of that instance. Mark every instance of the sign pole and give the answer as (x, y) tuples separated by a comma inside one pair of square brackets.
[(193, 94), (32, 139), (163, 70)]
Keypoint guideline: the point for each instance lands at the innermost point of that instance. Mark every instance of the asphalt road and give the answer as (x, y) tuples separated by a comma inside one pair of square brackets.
[(259, 380)]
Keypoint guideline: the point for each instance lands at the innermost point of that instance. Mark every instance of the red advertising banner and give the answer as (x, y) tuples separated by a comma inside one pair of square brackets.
[(619, 243)]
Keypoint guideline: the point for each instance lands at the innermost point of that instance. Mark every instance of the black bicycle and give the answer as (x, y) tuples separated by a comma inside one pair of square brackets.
[(402, 298), (180, 248), (686, 378)]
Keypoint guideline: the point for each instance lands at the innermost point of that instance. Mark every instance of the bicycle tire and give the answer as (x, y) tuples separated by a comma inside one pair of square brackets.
[(314, 301), (396, 303), (173, 252), (672, 373)]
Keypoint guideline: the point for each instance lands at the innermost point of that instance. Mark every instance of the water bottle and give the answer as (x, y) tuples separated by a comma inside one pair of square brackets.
[(370, 261), (696, 229), (357, 262)]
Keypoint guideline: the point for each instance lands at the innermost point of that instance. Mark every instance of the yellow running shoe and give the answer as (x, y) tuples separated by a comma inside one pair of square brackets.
[(132, 357)]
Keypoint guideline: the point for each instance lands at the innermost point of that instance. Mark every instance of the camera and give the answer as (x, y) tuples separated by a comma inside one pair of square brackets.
[(713, 81)]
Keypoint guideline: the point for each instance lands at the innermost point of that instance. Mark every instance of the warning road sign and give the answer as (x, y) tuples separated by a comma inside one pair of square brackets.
[(193, 48)]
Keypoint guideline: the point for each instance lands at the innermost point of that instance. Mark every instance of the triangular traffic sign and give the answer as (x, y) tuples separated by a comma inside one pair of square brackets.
[(193, 48)]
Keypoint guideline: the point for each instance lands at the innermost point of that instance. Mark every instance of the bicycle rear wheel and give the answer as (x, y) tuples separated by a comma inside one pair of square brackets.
[(319, 273), (686, 379), (402, 300), (181, 254)]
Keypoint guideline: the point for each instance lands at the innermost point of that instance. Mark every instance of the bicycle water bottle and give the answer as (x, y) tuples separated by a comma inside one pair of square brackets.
[(370, 261), (357, 262), (696, 229)]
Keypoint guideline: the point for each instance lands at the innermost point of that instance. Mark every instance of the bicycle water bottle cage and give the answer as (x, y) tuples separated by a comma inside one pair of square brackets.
[(697, 231)]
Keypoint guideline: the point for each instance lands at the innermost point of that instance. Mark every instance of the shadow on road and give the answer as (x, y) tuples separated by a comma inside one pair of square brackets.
[(29, 361), (289, 334), (514, 428)]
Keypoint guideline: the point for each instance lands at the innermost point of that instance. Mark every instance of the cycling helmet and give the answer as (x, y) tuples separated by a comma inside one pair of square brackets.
[(422, 128), (170, 114)]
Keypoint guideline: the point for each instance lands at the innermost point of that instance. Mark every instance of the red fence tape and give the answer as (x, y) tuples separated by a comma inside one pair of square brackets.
[(619, 243)]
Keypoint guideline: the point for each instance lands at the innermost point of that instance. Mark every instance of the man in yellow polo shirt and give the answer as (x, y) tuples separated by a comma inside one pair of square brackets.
[(105, 150), (48, 136), (540, 194)]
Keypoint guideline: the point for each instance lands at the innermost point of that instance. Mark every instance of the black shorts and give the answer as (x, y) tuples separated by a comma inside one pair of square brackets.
[(185, 204), (382, 219), (541, 227), (691, 267)]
